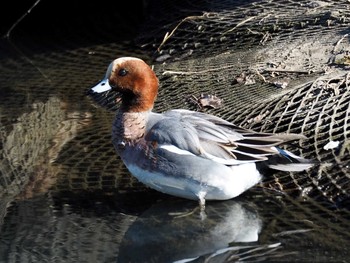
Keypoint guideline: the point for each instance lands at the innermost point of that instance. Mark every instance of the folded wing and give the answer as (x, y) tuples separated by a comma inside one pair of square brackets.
[(216, 139)]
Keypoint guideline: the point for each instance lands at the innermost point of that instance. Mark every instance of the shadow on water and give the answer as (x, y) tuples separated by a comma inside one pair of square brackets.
[(178, 231)]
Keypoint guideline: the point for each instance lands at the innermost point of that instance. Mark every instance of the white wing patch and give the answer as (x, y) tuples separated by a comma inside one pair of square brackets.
[(174, 149)]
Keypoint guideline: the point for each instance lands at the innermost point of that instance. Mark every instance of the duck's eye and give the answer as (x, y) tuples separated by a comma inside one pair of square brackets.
[(122, 72)]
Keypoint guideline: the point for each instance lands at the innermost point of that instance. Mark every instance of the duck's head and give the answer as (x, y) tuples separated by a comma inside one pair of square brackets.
[(134, 80)]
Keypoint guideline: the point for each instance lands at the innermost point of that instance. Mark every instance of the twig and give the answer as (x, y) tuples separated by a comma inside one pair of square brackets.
[(7, 35), (169, 35), (292, 71), (261, 76), (239, 24), (170, 72), (338, 43)]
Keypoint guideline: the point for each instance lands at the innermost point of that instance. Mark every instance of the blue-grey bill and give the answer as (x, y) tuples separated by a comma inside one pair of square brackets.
[(102, 86)]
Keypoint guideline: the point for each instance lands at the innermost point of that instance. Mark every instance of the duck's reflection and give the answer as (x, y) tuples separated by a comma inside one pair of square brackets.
[(174, 230)]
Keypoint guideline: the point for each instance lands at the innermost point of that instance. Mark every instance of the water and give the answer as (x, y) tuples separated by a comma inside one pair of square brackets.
[(92, 226), (67, 197)]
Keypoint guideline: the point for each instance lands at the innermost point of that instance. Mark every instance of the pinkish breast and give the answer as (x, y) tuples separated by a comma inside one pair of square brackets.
[(129, 127)]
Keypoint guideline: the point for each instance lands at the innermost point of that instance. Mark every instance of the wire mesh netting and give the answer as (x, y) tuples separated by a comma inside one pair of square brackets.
[(274, 66), (278, 67)]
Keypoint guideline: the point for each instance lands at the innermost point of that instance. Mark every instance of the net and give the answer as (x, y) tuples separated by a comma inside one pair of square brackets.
[(274, 66)]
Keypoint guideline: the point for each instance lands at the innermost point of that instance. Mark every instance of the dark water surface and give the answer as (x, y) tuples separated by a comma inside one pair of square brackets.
[(66, 196)]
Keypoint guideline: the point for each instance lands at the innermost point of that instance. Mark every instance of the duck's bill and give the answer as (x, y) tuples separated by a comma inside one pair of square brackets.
[(102, 86)]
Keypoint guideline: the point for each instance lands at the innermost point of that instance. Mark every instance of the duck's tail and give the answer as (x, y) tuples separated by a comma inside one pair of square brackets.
[(289, 162)]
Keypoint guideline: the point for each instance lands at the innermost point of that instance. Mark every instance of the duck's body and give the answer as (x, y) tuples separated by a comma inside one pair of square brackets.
[(169, 158), (185, 153)]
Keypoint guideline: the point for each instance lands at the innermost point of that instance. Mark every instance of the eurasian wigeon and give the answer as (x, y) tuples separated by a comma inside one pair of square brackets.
[(185, 153)]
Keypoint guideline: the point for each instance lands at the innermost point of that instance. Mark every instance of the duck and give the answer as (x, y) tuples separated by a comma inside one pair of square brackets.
[(184, 153)]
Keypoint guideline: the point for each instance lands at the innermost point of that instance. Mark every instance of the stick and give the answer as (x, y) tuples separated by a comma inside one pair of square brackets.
[(7, 35), (169, 35), (292, 71), (170, 72)]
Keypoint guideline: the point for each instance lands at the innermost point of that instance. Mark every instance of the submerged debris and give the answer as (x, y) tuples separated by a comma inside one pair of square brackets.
[(244, 78), (281, 84), (206, 100), (162, 58)]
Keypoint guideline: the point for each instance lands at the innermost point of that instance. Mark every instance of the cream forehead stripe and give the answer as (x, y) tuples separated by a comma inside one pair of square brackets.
[(117, 62), (104, 84), (122, 60)]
